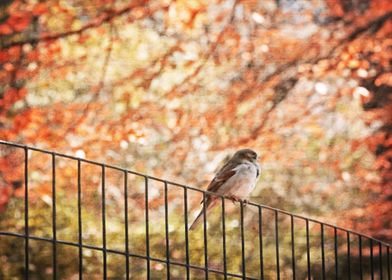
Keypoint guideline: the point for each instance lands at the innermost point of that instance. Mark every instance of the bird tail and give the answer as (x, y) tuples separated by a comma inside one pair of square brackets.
[(210, 202), (198, 219)]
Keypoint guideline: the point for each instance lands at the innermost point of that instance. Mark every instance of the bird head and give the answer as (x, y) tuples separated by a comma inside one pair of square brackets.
[(246, 154)]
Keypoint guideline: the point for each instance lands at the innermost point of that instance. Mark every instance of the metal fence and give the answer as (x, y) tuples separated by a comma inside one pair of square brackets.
[(270, 244)]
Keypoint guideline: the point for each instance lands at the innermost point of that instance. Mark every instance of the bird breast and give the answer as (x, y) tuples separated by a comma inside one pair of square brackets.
[(242, 182)]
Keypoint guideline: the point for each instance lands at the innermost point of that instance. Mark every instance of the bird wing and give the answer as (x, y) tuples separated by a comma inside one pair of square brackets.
[(224, 174), (257, 170)]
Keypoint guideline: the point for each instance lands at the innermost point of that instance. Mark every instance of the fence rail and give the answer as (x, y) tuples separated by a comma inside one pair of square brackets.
[(280, 252)]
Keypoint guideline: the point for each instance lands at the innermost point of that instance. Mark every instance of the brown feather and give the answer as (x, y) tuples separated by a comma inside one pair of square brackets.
[(224, 174)]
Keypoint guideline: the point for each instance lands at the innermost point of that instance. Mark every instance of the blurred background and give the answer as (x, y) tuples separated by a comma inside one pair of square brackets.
[(172, 88)]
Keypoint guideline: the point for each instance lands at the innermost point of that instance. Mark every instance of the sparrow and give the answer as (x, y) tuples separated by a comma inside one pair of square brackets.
[(235, 180)]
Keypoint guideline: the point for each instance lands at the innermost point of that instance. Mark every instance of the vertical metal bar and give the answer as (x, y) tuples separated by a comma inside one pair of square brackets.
[(147, 228), (360, 257), (371, 260), (308, 249), (388, 264), (348, 256), (277, 245), (261, 242), (380, 257), (104, 225), (205, 235), (224, 239), (80, 232), (126, 224), (292, 245), (242, 240), (336, 252), (322, 252), (186, 233), (26, 211), (54, 248), (167, 234)]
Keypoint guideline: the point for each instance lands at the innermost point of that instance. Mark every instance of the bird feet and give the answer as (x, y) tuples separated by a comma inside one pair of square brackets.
[(235, 199)]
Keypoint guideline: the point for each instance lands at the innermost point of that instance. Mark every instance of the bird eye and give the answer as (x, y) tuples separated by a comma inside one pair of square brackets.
[(253, 155)]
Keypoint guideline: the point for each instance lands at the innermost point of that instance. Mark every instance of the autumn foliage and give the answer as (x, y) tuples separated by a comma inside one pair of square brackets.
[(172, 87)]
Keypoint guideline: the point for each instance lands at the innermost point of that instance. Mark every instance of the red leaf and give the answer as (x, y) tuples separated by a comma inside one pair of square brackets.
[(19, 22), (5, 29)]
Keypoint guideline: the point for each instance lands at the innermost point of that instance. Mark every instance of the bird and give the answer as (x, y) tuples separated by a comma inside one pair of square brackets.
[(235, 180)]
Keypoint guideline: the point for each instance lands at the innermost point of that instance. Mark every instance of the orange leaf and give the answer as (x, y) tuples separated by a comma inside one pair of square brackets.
[(40, 9)]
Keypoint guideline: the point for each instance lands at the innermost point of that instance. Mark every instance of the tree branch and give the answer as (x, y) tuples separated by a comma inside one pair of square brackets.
[(97, 91), (107, 17), (208, 54), (373, 25)]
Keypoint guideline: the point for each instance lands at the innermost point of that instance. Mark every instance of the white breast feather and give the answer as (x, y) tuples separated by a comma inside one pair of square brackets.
[(242, 182)]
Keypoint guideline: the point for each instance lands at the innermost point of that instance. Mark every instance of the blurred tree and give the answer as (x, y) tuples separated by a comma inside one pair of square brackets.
[(170, 87)]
